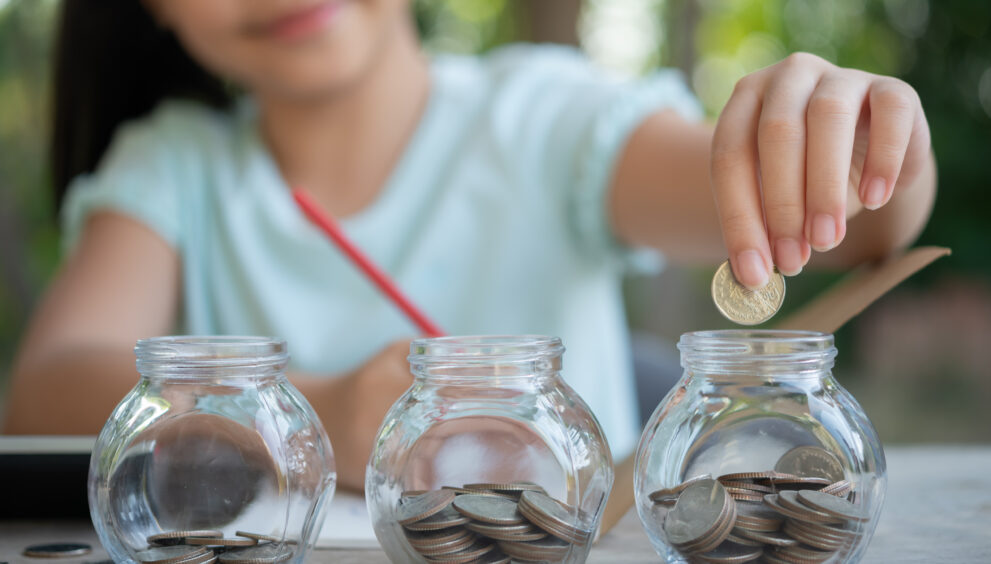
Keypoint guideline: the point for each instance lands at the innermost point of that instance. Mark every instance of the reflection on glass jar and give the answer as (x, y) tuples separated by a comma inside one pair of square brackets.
[(213, 450), (759, 453), (488, 456)]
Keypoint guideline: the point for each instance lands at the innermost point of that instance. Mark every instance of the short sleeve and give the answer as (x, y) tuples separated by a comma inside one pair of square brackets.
[(138, 176), (600, 149), (578, 118)]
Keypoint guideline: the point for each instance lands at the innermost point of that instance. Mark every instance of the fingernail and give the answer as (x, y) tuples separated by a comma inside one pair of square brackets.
[(788, 256), (823, 232), (753, 272), (875, 193)]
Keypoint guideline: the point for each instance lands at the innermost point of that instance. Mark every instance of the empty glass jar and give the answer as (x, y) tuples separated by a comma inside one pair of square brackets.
[(758, 452), (490, 455), (213, 450)]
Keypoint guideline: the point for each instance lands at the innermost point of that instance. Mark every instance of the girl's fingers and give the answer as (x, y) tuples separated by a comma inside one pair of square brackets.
[(736, 185), (781, 145), (831, 121), (894, 108)]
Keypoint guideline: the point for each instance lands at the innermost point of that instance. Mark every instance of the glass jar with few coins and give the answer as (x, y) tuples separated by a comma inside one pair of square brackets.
[(212, 457), (758, 454), (489, 457)]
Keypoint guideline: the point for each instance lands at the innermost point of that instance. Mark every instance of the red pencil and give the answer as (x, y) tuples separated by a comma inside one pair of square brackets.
[(380, 278)]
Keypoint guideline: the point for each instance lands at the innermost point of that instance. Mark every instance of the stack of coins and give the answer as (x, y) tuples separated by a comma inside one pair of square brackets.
[(798, 517), (208, 546), (490, 524)]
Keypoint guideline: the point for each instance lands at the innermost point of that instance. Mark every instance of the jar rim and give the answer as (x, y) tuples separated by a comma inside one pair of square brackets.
[(483, 349), (736, 350), (179, 355)]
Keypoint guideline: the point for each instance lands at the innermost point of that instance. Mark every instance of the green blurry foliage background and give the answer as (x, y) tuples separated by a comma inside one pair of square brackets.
[(918, 360)]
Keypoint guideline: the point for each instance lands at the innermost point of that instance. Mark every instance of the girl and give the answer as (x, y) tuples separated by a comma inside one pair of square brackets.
[(504, 193)]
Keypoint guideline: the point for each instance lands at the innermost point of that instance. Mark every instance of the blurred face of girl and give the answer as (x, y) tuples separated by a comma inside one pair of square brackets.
[(285, 48)]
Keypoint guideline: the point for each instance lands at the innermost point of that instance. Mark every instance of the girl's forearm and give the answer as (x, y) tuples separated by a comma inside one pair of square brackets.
[(71, 393)]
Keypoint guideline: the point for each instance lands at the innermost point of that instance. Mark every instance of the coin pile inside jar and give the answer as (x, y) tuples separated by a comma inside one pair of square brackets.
[(208, 546), (799, 517), (490, 523)]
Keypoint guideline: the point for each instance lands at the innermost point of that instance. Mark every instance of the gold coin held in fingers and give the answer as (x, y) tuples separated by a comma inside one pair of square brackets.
[(744, 306)]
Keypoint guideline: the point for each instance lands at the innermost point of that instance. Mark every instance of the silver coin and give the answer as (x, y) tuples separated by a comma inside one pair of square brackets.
[(548, 548), (811, 462), (839, 489), (176, 537), (58, 550), (730, 553), (697, 513), (551, 510), (470, 554), (488, 509), (427, 539), (787, 504), (767, 537), (443, 519), (169, 554), (744, 306), (261, 554), (422, 506), (257, 536), (664, 494), (832, 505)]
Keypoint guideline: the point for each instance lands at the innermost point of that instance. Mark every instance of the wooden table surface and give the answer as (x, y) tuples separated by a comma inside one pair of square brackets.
[(938, 509)]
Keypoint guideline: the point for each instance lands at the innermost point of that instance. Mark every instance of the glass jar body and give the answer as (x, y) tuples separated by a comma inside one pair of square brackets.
[(213, 437), (760, 403), (484, 412)]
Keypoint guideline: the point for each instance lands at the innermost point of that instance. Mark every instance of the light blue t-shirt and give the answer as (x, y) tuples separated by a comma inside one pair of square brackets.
[(494, 221)]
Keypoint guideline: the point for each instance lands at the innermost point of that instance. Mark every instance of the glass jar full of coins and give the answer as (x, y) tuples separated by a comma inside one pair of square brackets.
[(488, 458), (758, 454), (212, 457)]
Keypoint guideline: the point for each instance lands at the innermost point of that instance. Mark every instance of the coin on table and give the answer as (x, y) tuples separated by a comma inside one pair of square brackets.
[(57, 550), (742, 305), (811, 462), (423, 506)]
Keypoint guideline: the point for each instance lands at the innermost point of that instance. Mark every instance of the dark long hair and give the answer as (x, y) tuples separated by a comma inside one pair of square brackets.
[(113, 63)]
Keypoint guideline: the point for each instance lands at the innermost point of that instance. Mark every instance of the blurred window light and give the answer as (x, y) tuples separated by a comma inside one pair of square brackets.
[(622, 35)]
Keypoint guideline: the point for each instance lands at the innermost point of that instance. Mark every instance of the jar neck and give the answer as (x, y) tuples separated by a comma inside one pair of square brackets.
[(760, 354), (196, 358), (501, 360)]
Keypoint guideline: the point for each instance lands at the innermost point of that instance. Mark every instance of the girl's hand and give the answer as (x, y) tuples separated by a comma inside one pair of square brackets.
[(801, 147), (352, 407)]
